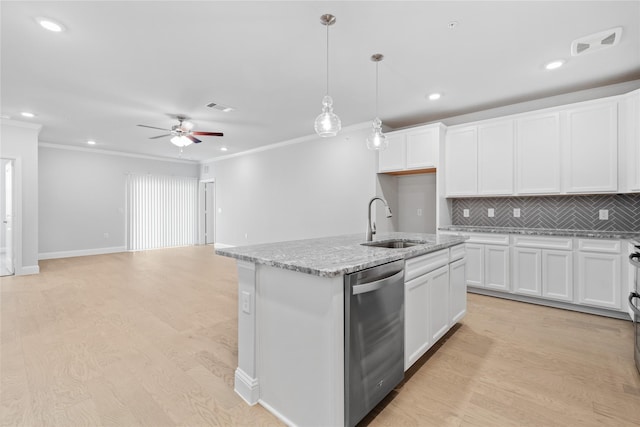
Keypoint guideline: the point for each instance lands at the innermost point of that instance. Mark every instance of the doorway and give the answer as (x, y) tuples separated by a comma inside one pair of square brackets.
[(7, 214), (209, 213)]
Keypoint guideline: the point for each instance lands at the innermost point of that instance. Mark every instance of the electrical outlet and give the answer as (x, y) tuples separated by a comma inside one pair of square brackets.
[(419, 212), (465, 213), (491, 212), (106, 235), (516, 212), (604, 214), (246, 302)]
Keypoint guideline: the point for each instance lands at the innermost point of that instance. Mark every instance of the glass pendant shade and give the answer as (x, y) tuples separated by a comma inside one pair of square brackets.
[(327, 123), (180, 141), (376, 139)]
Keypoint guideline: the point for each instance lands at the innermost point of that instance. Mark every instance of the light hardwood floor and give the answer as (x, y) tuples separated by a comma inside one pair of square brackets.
[(149, 339)]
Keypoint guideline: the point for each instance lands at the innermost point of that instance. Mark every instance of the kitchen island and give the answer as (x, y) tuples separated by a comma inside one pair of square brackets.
[(291, 321)]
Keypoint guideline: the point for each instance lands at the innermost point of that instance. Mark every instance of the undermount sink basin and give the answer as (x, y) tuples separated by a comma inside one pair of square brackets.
[(395, 244)]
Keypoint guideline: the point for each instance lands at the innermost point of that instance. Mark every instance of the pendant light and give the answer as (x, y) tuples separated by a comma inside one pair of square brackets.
[(327, 124), (376, 139)]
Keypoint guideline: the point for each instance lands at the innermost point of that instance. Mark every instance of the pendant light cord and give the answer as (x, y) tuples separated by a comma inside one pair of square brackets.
[(327, 59), (377, 89)]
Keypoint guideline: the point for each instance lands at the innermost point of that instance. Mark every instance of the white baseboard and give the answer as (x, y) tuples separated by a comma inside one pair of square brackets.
[(218, 245), (247, 387), (82, 252), (278, 415), (27, 269)]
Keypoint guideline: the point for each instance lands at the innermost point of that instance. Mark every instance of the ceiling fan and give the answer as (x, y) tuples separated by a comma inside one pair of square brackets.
[(182, 134)]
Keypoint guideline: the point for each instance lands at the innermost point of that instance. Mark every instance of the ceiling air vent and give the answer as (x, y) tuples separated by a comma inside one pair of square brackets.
[(595, 42), (220, 107)]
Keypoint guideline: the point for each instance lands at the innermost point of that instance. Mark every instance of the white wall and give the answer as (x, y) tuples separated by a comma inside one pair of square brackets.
[(315, 188), (82, 197), (19, 141)]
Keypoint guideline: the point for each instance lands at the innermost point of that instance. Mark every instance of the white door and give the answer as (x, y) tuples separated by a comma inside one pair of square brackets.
[(557, 274), (475, 264), (438, 303), (457, 290), (495, 158), (394, 157), (526, 271), (538, 154), (599, 279), (7, 262), (416, 323), (209, 213), (462, 162), (496, 267), (422, 148)]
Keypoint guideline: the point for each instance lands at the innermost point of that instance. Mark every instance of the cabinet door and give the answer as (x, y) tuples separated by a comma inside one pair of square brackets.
[(438, 303), (416, 319), (526, 271), (590, 160), (394, 157), (422, 148), (629, 140), (599, 279), (496, 267), (457, 290), (475, 264), (495, 158), (538, 154), (557, 275), (462, 162)]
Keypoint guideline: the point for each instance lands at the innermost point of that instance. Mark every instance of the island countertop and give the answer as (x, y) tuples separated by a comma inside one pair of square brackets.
[(338, 255)]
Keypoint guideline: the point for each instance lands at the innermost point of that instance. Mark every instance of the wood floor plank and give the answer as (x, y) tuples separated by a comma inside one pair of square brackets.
[(150, 339)]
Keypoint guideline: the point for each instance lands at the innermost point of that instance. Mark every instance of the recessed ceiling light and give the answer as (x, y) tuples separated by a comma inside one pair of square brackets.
[(453, 24), (434, 96), (554, 64), (50, 25), (223, 148), (91, 142), (27, 114)]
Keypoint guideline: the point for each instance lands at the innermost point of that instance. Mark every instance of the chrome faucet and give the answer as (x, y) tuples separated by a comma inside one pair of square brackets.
[(371, 227)]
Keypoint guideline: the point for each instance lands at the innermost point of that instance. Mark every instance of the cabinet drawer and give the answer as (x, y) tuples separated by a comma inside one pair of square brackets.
[(598, 245), (423, 264), (456, 252), (565, 243), (488, 239)]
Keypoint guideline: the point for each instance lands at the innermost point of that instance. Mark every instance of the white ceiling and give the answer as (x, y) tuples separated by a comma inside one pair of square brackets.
[(123, 63)]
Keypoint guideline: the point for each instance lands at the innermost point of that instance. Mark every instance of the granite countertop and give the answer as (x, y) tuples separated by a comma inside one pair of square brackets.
[(630, 235), (338, 255)]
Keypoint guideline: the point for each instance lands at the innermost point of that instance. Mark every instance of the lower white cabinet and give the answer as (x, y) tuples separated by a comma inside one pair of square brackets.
[(434, 301), (496, 267), (557, 274), (599, 279), (527, 270), (475, 264), (488, 261)]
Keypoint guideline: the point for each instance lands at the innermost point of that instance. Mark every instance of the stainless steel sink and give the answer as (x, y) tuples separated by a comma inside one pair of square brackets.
[(396, 243)]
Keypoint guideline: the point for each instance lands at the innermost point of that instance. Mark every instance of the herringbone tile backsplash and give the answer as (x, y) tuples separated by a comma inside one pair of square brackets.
[(560, 212)]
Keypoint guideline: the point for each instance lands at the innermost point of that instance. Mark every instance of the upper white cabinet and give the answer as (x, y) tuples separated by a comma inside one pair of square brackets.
[(538, 154), (629, 143), (410, 149), (590, 155), (462, 161), (495, 158)]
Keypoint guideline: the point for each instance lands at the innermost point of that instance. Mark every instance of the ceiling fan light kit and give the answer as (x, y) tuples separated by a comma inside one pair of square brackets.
[(182, 134), (327, 124), (376, 139)]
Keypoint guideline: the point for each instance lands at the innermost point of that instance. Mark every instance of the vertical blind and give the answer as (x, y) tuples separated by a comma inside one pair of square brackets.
[(162, 211)]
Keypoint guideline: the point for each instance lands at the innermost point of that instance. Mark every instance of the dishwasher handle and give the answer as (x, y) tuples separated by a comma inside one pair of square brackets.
[(378, 284), (632, 296)]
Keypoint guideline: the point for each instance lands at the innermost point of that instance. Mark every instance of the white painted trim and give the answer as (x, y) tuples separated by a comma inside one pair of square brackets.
[(26, 270), (222, 245), (246, 387), (114, 153), (281, 144), (82, 252), (21, 124), (277, 414)]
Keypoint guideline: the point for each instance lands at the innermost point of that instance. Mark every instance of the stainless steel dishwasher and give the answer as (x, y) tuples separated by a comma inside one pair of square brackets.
[(374, 337)]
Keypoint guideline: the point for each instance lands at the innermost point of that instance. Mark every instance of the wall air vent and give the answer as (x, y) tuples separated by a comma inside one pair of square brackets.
[(594, 42), (220, 107)]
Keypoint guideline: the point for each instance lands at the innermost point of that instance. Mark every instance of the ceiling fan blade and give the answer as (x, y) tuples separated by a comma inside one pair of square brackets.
[(194, 139), (208, 133), (152, 127), (160, 136)]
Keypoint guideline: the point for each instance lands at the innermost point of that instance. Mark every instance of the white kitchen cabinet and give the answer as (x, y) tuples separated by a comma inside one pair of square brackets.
[(599, 273), (538, 154), (590, 148), (475, 264), (462, 161), (417, 333), (496, 267), (557, 275), (488, 261), (411, 149), (527, 270), (439, 303), (629, 142), (495, 158), (458, 290)]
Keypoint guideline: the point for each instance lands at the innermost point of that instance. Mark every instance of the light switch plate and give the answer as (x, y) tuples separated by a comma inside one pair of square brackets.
[(246, 302), (604, 214), (516, 212), (465, 213), (491, 212), (419, 212)]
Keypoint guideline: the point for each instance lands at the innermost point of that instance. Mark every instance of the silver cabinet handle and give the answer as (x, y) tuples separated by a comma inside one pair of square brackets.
[(374, 286), (632, 296), (633, 259)]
